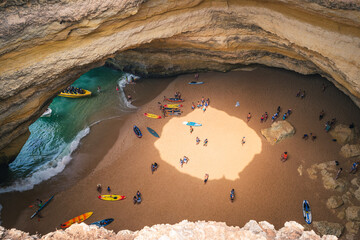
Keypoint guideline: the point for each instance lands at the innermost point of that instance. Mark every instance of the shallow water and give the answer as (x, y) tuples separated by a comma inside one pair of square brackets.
[(53, 139)]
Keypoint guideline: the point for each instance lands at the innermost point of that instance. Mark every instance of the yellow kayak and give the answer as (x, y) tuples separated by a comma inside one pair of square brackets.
[(74, 95), (77, 219), (150, 115), (111, 197), (173, 105)]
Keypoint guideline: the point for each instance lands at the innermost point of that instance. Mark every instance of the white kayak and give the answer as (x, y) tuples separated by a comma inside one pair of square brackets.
[(47, 113)]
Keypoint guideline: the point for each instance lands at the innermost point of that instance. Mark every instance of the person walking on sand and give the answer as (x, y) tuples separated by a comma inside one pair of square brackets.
[(191, 129), (338, 173), (197, 140), (205, 142), (99, 188), (181, 162), (262, 119), (232, 195), (196, 76), (298, 93), (243, 141), (193, 106), (206, 178), (186, 159), (322, 114), (248, 117), (278, 110), (108, 189), (354, 167)]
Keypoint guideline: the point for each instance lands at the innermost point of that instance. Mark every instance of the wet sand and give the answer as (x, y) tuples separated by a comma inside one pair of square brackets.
[(266, 188)]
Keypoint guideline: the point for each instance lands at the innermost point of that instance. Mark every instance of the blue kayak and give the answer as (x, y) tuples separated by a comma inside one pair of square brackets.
[(152, 131), (103, 222), (41, 208), (195, 83), (307, 212), (137, 131)]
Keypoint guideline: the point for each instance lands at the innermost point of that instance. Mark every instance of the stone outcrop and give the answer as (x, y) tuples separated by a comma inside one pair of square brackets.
[(343, 134), (334, 202), (328, 228), (46, 45), (278, 131), (350, 150), (353, 213), (182, 230)]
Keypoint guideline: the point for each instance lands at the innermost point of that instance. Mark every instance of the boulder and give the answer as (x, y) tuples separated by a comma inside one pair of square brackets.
[(341, 215), (353, 213), (278, 131), (343, 134), (328, 228), (356, 182), (350, 150), (352, 227), (357, 194), (334, 202)]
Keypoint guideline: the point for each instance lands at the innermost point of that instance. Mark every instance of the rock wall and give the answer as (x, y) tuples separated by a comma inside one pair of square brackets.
[(182, 230), (46, 45)]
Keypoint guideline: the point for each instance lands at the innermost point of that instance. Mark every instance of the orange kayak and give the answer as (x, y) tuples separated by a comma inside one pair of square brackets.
[(77, 219)]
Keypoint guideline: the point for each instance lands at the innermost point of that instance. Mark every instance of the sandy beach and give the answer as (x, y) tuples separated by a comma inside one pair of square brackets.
[(266, 188)]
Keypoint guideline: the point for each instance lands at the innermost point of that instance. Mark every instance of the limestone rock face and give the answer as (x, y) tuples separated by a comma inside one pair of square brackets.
[(278, 132), (352, 227), (350, 150), (343, 134), (353, 213), (328, 228), (46, 45), (334, 202)]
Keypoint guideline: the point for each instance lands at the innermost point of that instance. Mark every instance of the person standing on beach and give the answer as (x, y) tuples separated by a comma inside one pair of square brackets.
[(99, 188), (108, 189), (205, 142), (117, 88), (321, 116), (197, 77), (232, 195), (191, 129), (206, 178), (197, 140), (248, 117), (181, 162), (243, 141)]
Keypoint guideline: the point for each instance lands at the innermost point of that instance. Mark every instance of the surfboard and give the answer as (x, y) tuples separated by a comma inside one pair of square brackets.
[(173, 105), (194, 124), (307, 212), (77, 219), (195, 83), (103, 223), (137, 132), (152, 131), (111, 197), (174, 99), (41, 208), (150, 115)]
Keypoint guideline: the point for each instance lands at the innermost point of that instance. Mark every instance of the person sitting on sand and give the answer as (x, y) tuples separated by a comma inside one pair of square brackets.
[(321, 116), (206, 104), (262, 119), (305, 137), (243, 141), (205, 142), (284, 156), (186, 159), (197, 140), (302, 94), (298, 93), (193, 106), (206, 178), (248, 117), (181, 162), (354, 167), (232, 195)]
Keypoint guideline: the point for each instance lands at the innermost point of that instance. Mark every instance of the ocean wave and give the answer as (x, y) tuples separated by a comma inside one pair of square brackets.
[(48, 170), (123, 81)]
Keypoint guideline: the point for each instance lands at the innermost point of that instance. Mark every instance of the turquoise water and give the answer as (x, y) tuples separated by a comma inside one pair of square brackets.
[(53, 139)]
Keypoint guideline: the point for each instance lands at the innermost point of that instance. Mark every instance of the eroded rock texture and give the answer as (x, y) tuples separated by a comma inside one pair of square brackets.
[(46, 45)]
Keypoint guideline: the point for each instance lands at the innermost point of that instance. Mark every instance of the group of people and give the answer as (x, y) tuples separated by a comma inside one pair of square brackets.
[(183, 160), (154, 167), (73, 90), (330, 124), (276, 115), (198, 141), (201, 104), (300, 94), (137, 198), (306, 136)]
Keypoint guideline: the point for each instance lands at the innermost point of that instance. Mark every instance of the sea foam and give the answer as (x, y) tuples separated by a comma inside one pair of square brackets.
[(123, 81), (48, 170)]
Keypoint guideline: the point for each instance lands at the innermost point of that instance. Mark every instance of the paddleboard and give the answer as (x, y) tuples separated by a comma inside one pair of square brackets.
[(173, 105), (195, 82), (137, 132), (152, 131), (174, 99), (77, 219), (150, 115), (47, 113), (111, 197), (41, 208), (194, 124), (307, 212), (175, 113), (103, 222)]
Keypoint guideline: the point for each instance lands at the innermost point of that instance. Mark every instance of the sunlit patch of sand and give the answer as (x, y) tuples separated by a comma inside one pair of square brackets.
[(223, 157)]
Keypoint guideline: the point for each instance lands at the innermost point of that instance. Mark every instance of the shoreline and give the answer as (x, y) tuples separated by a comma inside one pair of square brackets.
[(170, 196)]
